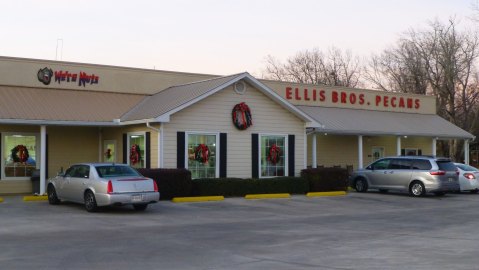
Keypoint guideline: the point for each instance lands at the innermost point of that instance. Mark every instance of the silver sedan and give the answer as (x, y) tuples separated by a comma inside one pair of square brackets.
[(103, 184), (468, 177)]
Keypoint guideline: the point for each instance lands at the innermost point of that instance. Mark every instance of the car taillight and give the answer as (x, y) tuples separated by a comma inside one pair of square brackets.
[(469, 176), (155, 186), (437, 173), (109, 189)]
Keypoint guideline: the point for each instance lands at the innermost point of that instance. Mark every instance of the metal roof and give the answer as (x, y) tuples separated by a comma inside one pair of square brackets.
[(19, 104), (365, 122)]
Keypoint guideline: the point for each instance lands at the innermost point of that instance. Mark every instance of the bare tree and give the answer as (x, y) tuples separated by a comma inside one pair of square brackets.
[(439, 61), (316, 67)]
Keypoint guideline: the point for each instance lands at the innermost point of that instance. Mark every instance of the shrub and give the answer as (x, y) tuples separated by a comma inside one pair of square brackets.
[(171, 182), (326, 179), (231, 187)]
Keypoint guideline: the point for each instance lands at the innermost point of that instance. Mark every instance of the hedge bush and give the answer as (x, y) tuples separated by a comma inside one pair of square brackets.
[(326, 179), (171, 182), (231, 187)]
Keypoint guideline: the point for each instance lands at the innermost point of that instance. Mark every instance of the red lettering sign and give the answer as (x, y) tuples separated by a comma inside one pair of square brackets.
[(289, 93)]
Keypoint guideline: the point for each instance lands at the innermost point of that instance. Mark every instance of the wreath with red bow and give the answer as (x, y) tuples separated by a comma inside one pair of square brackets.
[(242, 118), (274, 154), (20, 153), (135, 155), (108, 153), (202, 153)]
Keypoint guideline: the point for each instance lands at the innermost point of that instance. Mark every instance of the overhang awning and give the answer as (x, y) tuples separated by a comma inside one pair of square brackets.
[(366, 122)]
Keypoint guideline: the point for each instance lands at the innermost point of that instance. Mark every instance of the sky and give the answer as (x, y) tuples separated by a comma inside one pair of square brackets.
[(210, 36)]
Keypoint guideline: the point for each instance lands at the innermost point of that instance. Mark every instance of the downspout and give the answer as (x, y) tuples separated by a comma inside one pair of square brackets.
[(160, 143)]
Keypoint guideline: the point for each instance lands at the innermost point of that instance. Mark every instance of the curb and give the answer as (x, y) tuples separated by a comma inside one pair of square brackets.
[(1, 199), (322, 194), (268, 196), (197, 199), (35, 198)]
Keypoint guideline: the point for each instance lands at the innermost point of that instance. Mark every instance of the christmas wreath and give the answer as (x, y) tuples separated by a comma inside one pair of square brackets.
[(274, 154), (108, 153), (20, 153), (242, 118), (202, 153), (135, 155)]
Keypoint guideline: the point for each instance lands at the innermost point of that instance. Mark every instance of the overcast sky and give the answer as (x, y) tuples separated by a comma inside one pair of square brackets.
[(209, 36)]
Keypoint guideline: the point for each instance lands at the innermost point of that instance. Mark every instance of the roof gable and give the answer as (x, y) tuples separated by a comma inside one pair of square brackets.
[(162, 105)]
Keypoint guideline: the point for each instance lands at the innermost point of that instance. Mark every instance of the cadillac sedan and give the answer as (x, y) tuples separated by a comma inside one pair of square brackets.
[(103, 184)]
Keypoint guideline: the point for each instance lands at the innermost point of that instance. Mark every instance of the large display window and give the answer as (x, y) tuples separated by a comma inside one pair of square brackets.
[(202, 155), (274, 149), (19, 155)]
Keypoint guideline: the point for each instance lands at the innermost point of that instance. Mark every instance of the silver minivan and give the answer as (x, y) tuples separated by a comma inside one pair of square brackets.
[(417, 175)]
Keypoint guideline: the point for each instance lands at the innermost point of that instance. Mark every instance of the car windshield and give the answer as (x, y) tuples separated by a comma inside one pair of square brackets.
[(446, 165), (465, 167), (115, 171)]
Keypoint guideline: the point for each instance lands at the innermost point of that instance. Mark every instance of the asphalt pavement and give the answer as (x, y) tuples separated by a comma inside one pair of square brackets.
[(356, 231)]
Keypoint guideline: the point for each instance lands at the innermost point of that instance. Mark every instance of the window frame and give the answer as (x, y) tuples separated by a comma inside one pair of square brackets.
[(128, 145), (285, 154), (217, 142), (37, 154)]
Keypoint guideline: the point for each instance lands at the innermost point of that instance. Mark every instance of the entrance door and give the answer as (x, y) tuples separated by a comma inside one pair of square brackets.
[(378, 152)]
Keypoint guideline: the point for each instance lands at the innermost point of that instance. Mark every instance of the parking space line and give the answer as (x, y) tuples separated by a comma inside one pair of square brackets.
[(329, 193), (268, 196), (35, 198), (198, 199), (1, 199)]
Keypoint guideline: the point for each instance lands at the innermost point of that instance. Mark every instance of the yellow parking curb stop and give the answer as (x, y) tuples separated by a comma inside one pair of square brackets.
[(1, 199), (329, 193), (268, 196), (198, 199), (35, 198)]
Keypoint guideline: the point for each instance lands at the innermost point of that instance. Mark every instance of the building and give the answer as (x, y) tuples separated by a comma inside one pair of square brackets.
[(53, 114)]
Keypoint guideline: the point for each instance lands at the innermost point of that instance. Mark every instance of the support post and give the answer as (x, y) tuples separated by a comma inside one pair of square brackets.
[(360, 151), (43, 158), (434, 145), (313, 151), (398, 145), (466, 152)]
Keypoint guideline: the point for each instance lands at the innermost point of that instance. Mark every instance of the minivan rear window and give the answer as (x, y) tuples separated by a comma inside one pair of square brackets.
[(446, 165), (421, 164)]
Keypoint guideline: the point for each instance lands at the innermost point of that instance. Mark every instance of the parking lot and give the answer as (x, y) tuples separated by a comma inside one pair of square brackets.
[(357, 231)]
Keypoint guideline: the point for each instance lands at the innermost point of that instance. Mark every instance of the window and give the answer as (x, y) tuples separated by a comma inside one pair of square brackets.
[(400, 164), (273, 153), (78, 171), (19, 154), (411, 151), (136, 150), (109, 151), (382, 164), (421, 164), (202, 155)]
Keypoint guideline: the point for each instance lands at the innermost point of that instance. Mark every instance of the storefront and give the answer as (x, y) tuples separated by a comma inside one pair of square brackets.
[(53, 114)]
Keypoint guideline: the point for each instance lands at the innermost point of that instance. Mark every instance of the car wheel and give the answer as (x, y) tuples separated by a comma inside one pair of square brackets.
[(383, 190), (90, 202), (140, 207), (440, 193), (417, 189), (52, 195), (361, 185), (474, 191)]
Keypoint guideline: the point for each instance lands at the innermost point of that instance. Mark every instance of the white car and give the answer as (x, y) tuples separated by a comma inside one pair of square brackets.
[(468, 177), (103, 184)]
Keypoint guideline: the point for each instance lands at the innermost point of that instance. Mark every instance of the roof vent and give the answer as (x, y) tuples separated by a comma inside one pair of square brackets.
[(240, 87)]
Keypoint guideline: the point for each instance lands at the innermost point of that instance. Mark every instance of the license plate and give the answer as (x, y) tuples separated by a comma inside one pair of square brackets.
[(451, 179), (136, 198)]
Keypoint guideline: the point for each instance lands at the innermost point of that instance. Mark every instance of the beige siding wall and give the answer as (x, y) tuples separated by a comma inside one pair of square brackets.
[(213, 114), (343, 150)]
